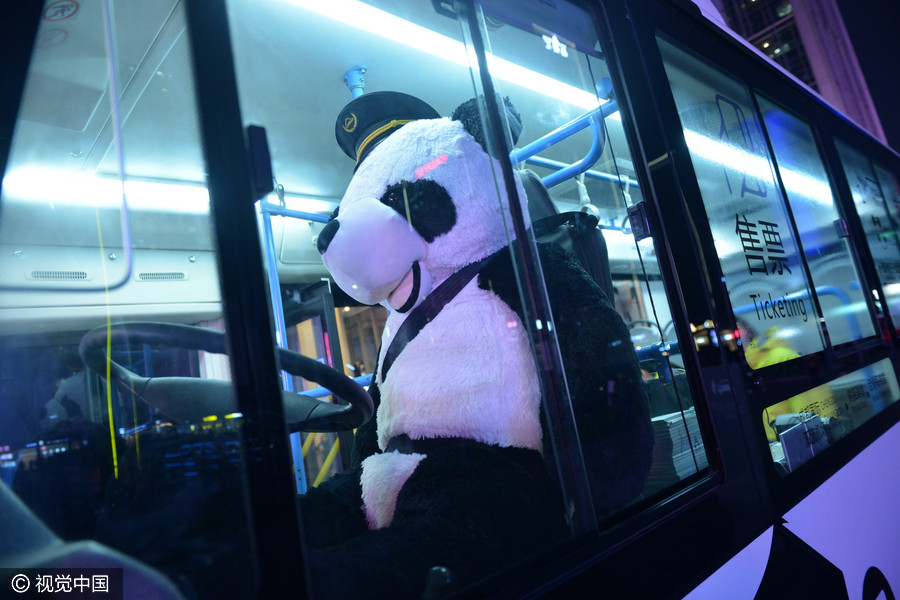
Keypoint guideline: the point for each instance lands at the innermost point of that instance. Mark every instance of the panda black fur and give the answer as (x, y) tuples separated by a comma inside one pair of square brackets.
[(451, 472)]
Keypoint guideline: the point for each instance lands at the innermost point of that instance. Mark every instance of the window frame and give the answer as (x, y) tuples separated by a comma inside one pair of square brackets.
[(246, 307)]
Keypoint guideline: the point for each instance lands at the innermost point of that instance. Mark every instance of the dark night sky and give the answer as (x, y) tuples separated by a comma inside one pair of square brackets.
[(874, 28)]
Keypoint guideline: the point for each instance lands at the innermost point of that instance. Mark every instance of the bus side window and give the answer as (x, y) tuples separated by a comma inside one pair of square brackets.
[(808, 423), (875, 195), (758, 251), (825, 246)]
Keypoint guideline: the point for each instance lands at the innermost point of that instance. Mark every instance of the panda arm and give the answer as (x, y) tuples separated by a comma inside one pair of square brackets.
[(332, 512)]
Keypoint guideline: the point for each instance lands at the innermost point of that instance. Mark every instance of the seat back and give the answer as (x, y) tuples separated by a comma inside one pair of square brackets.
[(577, 232), (28, 543)]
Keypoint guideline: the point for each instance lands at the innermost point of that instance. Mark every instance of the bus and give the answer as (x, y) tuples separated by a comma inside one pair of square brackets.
[(181, 375)]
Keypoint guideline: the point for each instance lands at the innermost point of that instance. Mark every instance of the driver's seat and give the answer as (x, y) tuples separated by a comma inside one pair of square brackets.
[(577, 232)]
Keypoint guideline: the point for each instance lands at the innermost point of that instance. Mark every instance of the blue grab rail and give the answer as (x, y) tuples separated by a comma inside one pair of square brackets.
[(593, 119), (273, 209), (318, 392), (555, 164)]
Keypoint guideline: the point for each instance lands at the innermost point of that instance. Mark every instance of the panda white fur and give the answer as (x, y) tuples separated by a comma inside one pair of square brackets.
[(419, 203)]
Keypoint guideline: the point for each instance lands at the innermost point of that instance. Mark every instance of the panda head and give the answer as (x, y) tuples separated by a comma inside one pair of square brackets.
[(423, 204)]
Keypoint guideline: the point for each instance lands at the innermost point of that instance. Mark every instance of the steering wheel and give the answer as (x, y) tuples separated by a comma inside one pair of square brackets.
[(192, 398)]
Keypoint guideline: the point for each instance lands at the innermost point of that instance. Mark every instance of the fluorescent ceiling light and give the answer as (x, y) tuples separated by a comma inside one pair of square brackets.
[(378, 22), (54, 188), (729, 156), (58, 189)]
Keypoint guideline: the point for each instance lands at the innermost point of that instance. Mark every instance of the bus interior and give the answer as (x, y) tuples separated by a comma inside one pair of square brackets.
[(109, 247)]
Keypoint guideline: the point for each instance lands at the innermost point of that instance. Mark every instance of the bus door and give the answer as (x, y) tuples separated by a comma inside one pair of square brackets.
[(140, 404)]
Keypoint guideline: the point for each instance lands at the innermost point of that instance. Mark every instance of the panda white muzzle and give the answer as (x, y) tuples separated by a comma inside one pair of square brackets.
[(376, 256)]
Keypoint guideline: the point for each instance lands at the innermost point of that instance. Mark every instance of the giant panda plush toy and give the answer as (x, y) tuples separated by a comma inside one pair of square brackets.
[(452, 472)]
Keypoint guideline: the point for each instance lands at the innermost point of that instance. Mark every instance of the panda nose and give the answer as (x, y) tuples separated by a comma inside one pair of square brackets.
[(326, 235)]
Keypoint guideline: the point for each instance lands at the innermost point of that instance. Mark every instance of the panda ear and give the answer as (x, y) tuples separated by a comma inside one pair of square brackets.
[(470, 112)]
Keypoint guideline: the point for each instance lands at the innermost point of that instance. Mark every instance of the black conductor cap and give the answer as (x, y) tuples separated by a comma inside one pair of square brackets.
[(366, 121)]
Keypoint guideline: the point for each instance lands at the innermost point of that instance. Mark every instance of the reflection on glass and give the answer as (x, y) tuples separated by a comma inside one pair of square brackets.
[(408, 48), (890, 187), (753, 234), (801, 427), (550, 74), (827, 252), (104, 218), (881, 233)]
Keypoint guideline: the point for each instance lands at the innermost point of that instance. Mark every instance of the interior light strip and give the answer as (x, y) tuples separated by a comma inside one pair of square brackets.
[(55, 188), (391, 27)]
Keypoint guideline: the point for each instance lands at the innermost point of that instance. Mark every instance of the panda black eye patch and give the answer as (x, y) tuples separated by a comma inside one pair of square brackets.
[(425, 204)]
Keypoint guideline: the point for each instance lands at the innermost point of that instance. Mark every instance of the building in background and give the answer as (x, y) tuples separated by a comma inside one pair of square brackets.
[(809, 39)]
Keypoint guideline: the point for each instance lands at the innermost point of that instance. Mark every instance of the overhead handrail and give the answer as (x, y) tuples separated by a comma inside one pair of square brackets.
[(624, 180), (560, 133), (597, 144), (594, 119)]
